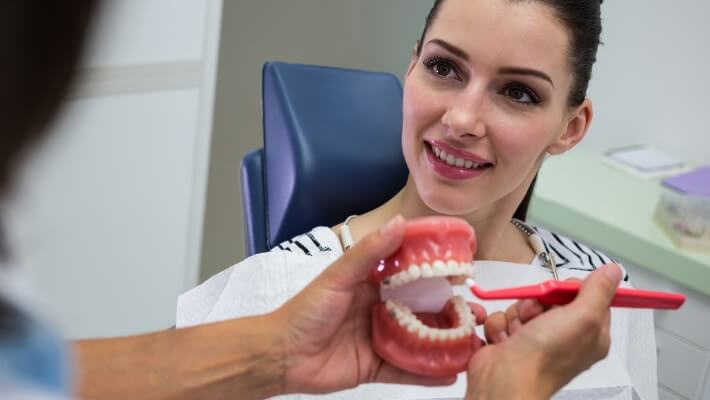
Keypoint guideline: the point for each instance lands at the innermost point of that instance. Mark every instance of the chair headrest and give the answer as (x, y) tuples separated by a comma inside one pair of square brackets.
[(332, 143)]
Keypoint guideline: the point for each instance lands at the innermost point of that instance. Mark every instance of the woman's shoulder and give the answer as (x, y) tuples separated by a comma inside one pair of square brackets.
[(572, 254), (320, 240)]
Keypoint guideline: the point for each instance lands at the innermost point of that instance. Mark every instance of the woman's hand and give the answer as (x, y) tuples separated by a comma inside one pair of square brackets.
[(533, 355), (327, 327)]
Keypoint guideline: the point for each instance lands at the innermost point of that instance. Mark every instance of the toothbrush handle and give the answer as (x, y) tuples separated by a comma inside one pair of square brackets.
[(555, 293), (563, 292)]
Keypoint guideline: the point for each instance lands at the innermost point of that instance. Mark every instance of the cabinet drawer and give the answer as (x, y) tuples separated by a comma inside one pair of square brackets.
[(681, 367), (690, 321), (666, 395), (706, 392)]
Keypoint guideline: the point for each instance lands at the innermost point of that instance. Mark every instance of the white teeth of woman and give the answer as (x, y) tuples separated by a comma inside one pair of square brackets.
[(437, 269), (455, 161), (407, 320)]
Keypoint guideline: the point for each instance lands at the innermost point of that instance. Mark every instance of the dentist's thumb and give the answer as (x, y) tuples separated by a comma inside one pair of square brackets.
[(599, 288), (354, 265)]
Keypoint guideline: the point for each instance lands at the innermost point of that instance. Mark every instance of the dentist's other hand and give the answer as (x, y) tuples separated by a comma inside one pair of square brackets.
[(541, 356)]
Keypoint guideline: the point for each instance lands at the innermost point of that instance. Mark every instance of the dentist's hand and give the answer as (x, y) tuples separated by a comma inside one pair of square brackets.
[(327, 327), (535, 359)]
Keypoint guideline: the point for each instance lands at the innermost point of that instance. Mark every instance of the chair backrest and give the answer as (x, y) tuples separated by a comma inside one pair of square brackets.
[(332, 148)]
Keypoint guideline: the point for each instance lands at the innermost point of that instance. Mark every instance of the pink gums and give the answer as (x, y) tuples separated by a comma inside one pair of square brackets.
[(427, 240)]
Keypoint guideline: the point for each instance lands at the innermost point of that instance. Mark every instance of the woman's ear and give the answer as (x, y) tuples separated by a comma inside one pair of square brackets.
[(577, 126)]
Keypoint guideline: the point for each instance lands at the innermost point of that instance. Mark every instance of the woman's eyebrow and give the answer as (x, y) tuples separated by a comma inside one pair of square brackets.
[(451, 48), (525, 71), (503, 70)]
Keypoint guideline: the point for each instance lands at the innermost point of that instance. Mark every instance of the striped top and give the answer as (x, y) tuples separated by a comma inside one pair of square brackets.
[(568, 254)]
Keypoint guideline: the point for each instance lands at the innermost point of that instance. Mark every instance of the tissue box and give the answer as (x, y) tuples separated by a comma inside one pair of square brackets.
[(684, 208)]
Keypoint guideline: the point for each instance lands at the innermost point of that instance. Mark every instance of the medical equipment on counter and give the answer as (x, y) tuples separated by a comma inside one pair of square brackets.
[(684, 209)]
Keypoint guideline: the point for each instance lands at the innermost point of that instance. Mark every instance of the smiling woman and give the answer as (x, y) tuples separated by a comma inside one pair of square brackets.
[(492, 88)]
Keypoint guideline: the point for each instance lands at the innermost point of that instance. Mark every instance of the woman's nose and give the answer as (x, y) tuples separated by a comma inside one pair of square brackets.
[(464, 116)]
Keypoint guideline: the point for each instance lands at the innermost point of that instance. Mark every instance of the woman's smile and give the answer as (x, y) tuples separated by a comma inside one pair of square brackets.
[(452, 163)]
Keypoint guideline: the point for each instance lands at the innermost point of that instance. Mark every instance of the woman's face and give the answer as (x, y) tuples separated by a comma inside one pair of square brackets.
[(489, 90)]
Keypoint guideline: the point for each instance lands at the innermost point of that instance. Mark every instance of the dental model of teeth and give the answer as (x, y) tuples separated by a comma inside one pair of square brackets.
[(407, 320), (436, 269), (419, 325)]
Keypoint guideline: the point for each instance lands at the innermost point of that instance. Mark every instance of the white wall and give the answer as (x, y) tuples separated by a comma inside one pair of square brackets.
[(651, 83), (107, 222)]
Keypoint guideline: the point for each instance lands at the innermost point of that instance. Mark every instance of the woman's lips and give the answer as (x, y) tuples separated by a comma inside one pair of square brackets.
[(446, 170), (458, 152)]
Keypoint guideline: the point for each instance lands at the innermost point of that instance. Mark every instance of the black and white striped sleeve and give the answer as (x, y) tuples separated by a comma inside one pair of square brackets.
[(580, 256), (307, 244)]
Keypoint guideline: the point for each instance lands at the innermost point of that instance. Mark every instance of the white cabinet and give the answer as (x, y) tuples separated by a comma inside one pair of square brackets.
[(683, 339)]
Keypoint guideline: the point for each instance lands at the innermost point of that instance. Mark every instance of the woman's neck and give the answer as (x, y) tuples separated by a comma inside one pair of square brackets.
[(497, 238)]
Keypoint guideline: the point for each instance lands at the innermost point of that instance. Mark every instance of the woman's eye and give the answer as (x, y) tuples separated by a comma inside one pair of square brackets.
[(440, 67), (521, 94)]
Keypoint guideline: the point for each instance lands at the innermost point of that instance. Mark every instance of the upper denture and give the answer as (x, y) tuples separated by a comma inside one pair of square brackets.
[(442, 245)]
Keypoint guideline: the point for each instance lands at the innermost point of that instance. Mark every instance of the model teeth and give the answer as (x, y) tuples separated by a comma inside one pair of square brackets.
[(455, 161), (437, 269), (408, 321)]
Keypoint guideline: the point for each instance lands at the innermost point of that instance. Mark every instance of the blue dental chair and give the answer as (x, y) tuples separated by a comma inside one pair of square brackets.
[(332, 148)]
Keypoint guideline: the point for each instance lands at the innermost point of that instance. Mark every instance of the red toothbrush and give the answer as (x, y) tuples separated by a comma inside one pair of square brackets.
[(553, 292)]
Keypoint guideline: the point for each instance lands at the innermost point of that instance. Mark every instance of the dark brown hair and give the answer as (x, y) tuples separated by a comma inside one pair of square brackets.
[(40, 44), (582, 19)]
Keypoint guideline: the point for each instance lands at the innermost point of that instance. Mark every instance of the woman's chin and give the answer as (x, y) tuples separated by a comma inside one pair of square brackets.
[(454, 206)]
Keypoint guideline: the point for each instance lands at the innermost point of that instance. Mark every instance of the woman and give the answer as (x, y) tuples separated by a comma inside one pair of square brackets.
[(493, 88)]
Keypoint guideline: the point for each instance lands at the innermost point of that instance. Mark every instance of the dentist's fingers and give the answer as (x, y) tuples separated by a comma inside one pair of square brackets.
[(513, 320), (355, 264), (390, 374), (591, 306), (496, 328), (479, 312), (598, 289), (529, 309), (500, 325)]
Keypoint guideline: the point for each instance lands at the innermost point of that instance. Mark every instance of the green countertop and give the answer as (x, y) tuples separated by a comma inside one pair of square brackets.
[(581, 196)]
